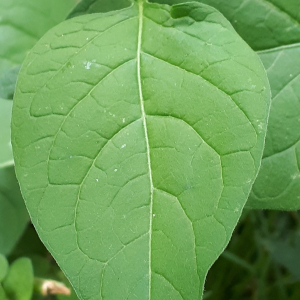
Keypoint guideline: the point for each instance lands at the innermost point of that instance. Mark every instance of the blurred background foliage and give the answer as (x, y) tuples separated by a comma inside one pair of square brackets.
[(262, 260)]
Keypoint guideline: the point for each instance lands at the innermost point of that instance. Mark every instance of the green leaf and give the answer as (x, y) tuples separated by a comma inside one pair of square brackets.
[(136, 141), (22, 23), (3, 267), (278, 183), (8, 82), (18, 284), (6, 156), (2, 293), (263, 24), (95, 6), (13, 214)]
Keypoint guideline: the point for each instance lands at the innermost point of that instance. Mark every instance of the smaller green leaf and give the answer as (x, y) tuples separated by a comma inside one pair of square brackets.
[(2, 293), (8, 82), (6, 157), (18, 284), (3, 267), (263, 24), (13, 214), (97, 6), (278, 183), (23, 23)]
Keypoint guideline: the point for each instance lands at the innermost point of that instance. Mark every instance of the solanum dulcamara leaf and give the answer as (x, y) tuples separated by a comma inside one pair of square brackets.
[(137, 135), (92, 6), (278, 183), (262, 24), (6, 156), (13, 214), (22, 24)]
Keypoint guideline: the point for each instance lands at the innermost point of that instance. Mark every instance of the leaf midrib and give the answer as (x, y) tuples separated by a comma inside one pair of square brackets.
[(140, 30)]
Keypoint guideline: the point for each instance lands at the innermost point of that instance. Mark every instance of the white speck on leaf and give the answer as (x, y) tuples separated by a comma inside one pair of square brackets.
[(87, 65), (260, 126), (97, 179), (123, 120), (123, 146), (115, 170)]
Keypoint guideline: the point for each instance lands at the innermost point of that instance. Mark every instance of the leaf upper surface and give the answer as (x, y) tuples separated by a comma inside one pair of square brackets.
[(3, 267), (8, 82), (6, 157), (22, 23), (278, 183), (13, 214), (136, 143), (18, 284), (263, 24), (95, 6)]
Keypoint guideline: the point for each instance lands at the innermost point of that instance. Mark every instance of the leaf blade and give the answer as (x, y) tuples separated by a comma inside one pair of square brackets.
[(277, 184), (96, 6), (106, 186), (6, 157), (263, 24), (13, 213), (4, 267), (18, 284)]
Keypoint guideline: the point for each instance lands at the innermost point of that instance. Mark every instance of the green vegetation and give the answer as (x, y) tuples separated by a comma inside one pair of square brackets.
[(143, 135)]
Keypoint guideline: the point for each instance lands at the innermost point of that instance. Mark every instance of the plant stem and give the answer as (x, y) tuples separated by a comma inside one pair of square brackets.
[(50, 287)]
